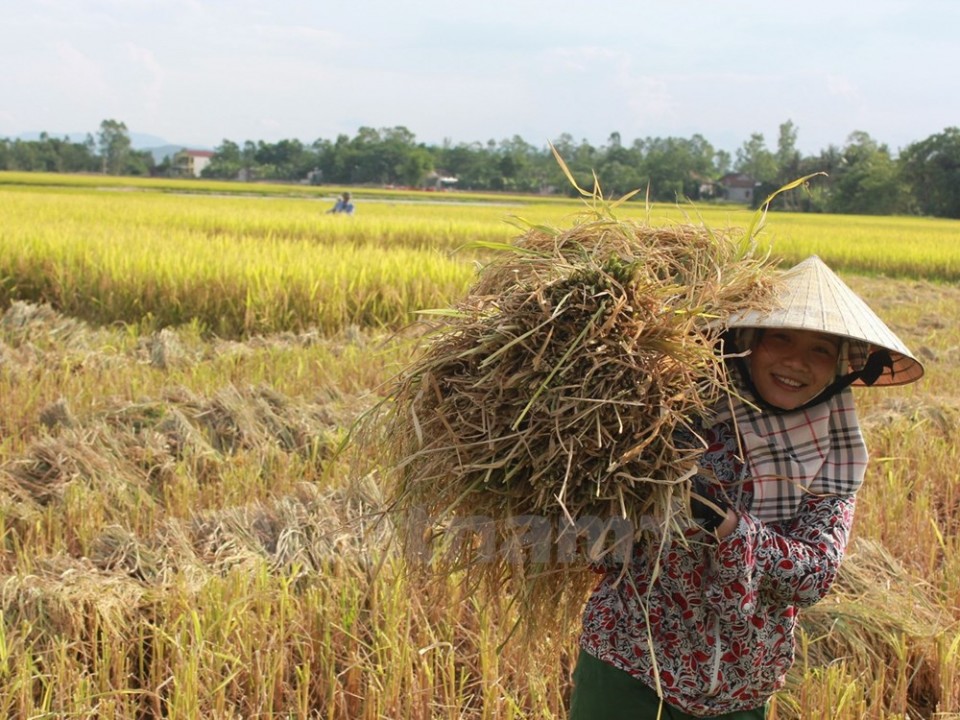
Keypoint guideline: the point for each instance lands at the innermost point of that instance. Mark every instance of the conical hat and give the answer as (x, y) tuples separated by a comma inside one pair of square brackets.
[(812, 297)]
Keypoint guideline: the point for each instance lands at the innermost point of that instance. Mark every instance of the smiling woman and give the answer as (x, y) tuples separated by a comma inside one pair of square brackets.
[(791, 367), (703, 626)]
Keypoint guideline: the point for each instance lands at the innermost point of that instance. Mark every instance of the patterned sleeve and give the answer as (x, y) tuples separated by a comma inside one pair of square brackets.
[(793, 563)]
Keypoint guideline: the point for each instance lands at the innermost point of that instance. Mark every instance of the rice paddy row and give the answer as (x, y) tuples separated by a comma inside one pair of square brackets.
[(181, 540), (241, 266)]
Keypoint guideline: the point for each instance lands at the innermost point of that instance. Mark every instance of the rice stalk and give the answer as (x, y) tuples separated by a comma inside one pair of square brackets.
[(538, 419), (878, 616)]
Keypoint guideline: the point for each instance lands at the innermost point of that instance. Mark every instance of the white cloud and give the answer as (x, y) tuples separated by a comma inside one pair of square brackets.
[(271, 125), (584, 59), (144, 59), (650, 98), (320, 37), (77, 73), (841, 86)]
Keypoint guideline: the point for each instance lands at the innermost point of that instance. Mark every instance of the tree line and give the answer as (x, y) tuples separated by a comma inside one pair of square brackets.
[(861, 177)]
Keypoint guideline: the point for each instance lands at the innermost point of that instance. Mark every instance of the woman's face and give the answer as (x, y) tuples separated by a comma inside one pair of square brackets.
[(791, 367)]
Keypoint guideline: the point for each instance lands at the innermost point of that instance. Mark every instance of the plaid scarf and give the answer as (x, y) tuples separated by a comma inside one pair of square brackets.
[(818, 450)]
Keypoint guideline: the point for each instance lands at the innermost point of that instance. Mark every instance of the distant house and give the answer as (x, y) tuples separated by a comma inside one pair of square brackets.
[(738, 187), (440, 180), (706, 188), (190, 163)]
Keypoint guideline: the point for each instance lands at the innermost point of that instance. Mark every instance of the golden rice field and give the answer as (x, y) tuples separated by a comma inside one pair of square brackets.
[(179, 365)]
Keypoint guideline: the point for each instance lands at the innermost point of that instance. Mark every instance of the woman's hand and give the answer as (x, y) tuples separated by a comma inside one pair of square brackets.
[(728, 525), (709, 508)]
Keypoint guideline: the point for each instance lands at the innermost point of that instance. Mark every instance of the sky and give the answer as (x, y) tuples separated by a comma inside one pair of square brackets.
[(197, 72)]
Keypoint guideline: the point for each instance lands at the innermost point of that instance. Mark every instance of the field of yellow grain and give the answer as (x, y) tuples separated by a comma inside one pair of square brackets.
[(179, 366)]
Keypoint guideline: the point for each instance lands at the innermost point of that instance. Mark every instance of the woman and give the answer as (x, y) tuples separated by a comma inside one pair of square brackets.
[(704, 627)]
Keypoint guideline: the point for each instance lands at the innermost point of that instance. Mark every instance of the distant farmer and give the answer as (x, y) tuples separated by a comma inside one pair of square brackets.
[(343, 205)]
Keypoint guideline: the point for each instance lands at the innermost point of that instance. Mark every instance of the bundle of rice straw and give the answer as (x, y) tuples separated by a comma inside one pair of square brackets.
[(549, 398)]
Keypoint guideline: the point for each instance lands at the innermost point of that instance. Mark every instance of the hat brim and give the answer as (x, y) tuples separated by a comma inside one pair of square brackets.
[(811, 297)]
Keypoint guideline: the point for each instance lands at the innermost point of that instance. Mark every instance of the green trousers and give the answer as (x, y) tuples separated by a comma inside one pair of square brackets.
[(603, 692)]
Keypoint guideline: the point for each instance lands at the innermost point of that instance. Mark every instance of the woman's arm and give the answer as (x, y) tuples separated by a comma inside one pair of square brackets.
[(794, 563)]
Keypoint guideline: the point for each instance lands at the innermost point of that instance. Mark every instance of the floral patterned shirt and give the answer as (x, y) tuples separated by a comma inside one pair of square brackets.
[(710, 624)]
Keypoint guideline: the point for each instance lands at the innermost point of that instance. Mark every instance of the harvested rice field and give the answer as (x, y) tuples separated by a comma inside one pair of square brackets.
[(190, 528)]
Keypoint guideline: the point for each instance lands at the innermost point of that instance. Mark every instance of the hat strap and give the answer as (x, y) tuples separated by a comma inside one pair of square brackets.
[(873, 368)]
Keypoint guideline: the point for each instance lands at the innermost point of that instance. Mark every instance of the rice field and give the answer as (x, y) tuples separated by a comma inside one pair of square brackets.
[(180, 367)]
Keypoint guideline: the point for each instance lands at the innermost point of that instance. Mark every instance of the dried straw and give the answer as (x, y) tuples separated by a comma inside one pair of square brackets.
[(876, 611), (553, 390)]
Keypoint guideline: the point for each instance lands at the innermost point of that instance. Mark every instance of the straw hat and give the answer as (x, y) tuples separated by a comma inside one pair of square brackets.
[(812, 297)]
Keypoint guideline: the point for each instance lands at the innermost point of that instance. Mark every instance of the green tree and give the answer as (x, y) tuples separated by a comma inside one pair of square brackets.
[(385, 156), (931, 169), (755, 160), (78, 156), (248, 159), (407, 162), (283, 160), (565, 146), (619, 168), (787, 155), (138, 162), (469, 162), (49, 153), (517, 166), (582, 159), (24, 156), (722, 162), (336, 160), (815, 196), (618, 178), (867, 180), (367, 161), (676, 167), (225, 163), (615, 152), (114, 144), (415, 168), (787, 159)]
